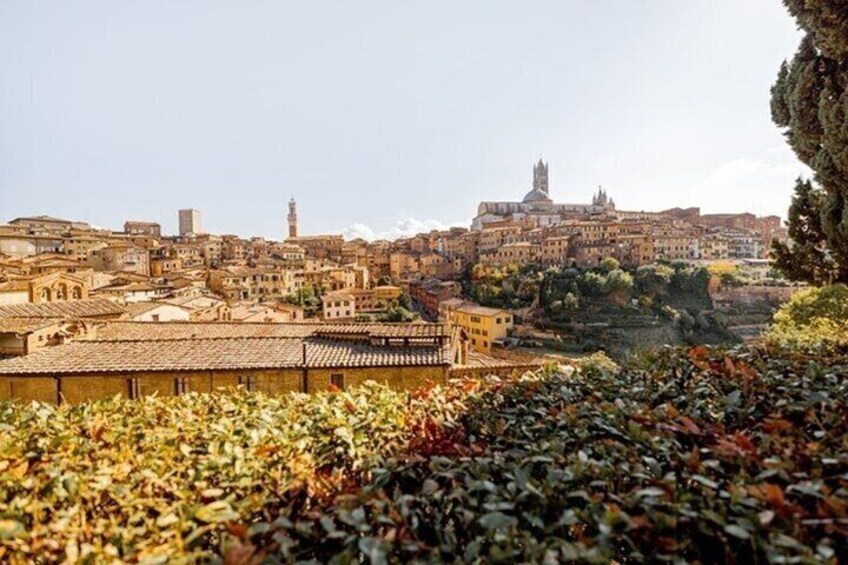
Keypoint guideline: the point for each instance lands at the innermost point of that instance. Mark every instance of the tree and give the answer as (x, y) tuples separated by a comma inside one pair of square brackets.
[(808, 259), (810, 101), (405, 301), (609, 264), (618, 285)]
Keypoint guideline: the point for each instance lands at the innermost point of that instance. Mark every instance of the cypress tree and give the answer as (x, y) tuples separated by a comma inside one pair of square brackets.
[(809, 100)]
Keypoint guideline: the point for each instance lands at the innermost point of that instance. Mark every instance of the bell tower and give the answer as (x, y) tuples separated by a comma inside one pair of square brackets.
[(540, 176), (292, 218)]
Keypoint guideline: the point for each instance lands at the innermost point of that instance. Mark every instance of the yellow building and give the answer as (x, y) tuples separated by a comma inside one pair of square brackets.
[(483, 326)]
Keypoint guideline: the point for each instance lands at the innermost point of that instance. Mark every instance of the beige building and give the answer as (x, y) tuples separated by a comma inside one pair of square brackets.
[(140, 359), (155, 312), (151, 229), (121, 258), (190, 222), (338, 305)]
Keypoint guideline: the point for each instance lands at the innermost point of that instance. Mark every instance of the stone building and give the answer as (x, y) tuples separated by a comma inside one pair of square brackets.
[(151, 229), (538, 205), (190, 222), (175, 358)]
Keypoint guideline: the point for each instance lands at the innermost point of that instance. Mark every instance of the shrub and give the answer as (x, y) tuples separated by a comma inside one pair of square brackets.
[(814, 319)]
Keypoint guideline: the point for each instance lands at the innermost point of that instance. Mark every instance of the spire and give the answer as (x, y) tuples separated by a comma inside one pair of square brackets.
[(540, 176)]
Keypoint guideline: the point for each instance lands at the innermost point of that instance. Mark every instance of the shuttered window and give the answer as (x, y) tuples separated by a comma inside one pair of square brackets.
[(180, 385)]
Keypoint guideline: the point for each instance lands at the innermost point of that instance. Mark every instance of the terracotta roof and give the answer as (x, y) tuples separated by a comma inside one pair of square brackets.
[(480, 310), (14, 286), (147, 331), (87, 308), (25, 325), (216, 354)]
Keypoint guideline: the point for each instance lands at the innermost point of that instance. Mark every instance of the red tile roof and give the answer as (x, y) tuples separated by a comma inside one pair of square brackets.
[(84, 357), (145, 331), (86, 308)]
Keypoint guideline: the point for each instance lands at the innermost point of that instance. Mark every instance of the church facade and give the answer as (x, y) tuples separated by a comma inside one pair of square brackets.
[(538, 205)]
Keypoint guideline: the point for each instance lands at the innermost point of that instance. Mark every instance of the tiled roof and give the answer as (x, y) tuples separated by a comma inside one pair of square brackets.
[(330, 353), (25, 325), (481, 310), (138, 308), (87, 308), (215, 354), (14, 286), (146, 331)]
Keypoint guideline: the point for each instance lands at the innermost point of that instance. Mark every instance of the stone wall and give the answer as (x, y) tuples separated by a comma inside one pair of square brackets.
[(84, 387)]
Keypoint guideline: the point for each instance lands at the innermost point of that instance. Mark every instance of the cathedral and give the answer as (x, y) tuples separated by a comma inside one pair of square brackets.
[(538, 204)]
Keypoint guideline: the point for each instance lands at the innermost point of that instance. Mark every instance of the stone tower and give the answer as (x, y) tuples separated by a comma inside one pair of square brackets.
[(540, 176), (292, 217)]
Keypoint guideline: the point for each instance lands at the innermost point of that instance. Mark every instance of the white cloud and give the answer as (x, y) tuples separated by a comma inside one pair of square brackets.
[(761, 184), (402, 228)]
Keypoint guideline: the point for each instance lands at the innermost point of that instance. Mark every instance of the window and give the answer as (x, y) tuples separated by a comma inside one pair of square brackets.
[(133, 389), (337, 380), (155, 317), (180, 385), (248, 382)]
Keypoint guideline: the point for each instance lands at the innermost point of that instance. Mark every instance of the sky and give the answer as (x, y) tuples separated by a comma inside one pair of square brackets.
[(385, 118)]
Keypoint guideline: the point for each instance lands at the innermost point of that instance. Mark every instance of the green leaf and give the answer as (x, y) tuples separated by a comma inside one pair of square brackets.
[(218, 511), (497, 521), (737, 531)]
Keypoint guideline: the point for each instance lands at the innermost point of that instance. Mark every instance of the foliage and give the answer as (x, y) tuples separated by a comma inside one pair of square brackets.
[(309, 298), (702, 456), (809, 100), (609, 264), (808, 258), (154, 479), (694, 455), (813, 319), (652, 286), (617, 285), (396, 314)]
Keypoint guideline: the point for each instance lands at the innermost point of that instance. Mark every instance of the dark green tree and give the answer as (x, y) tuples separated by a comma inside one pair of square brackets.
[(808, 258), (810, 100)]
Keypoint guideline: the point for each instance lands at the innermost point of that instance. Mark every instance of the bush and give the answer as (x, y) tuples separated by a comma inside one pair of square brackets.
[(814, 319), (705, 457), (697, 455), (162, 478)]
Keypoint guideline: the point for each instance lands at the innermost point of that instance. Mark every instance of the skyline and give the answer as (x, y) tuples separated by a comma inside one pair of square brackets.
[(376, 124)]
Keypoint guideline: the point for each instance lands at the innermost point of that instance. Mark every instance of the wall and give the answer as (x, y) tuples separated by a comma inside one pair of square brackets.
[(400, 378), (42, 389), (14, 297), (80, 388), (164, 313)]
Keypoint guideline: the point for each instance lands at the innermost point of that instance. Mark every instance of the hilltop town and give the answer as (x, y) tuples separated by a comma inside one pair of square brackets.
[(96, 297)]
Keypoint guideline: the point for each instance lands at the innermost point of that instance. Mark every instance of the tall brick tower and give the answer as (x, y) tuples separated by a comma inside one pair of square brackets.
[(292, 217)]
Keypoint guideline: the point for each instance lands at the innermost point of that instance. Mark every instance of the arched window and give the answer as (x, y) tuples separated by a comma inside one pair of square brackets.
[(62, 291), (77, 293), (45, 295)]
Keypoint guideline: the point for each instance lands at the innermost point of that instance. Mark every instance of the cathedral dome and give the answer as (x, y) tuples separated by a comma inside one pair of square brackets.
[(536, 195)]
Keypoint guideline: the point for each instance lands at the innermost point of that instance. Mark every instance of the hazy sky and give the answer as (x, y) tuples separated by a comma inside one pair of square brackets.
[(385, 117)]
